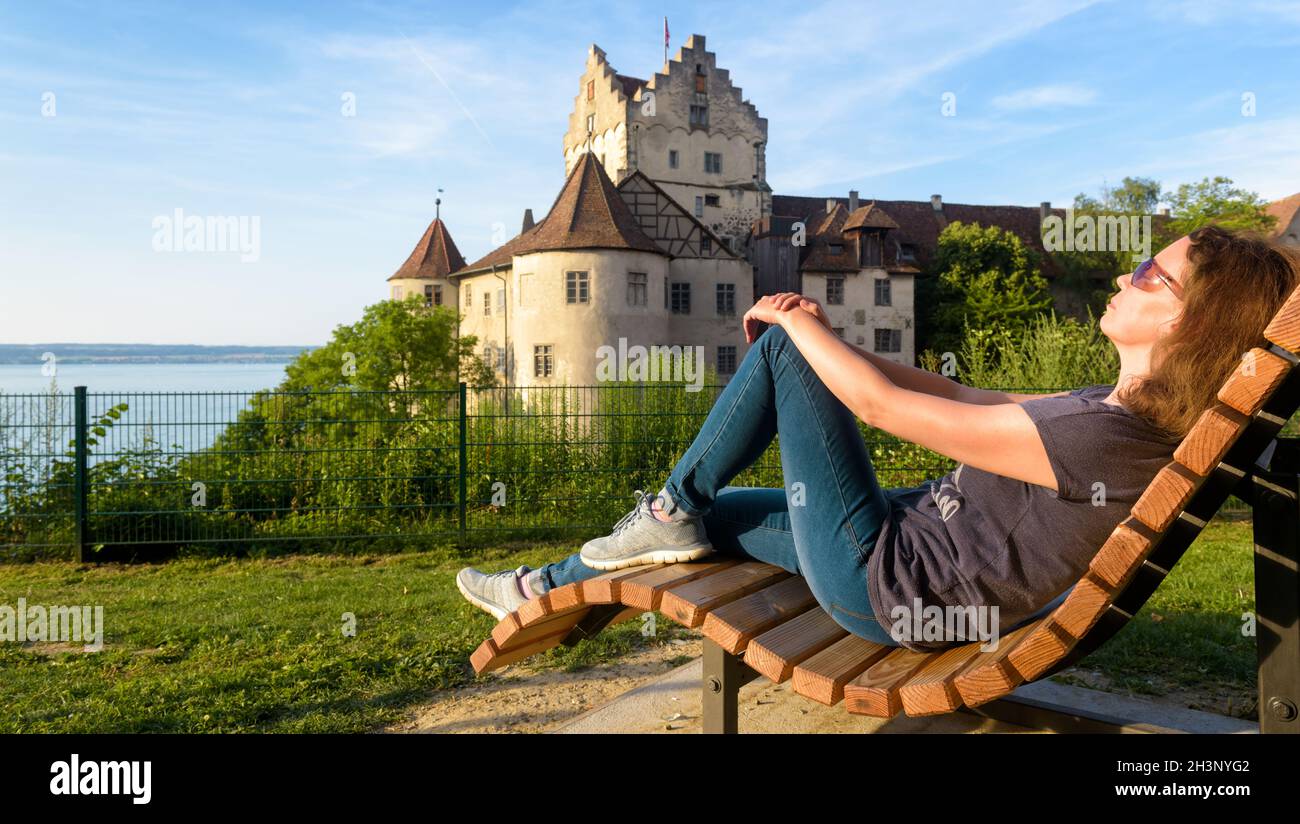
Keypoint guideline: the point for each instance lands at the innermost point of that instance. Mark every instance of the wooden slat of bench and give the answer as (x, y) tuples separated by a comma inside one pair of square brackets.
[(1120, 555), (824, 676), (1284, 329), (607, 588), (778, 651), (931, 689), (1164, 499), (876, 691), (489, 657), (1215, 431), (734, 625), (536, 638), (990, 675), (646, 591), (510, 632), (1253, 381), (688, 603), (1041, 649), (1083, 607)]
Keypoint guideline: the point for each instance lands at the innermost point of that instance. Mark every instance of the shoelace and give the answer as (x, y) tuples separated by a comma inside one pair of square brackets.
[(628, 519)]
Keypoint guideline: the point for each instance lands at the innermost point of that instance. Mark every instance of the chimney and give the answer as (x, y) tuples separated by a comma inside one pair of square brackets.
[(936, 201), (528, 220), (1044, 209), (853, 200), (831, 203)]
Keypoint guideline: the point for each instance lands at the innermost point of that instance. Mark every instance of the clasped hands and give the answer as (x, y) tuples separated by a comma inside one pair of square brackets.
[(775, 308)]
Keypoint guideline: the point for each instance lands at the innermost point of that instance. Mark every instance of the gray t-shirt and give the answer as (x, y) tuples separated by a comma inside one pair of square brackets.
[(973, 538)]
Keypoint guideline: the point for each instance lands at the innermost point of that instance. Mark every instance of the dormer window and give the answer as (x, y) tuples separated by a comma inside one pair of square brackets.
[(871, 249), (907, 252)]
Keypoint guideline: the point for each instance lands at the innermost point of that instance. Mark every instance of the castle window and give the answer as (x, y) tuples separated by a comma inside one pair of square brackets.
[(871, 254), (889, 340), (834, 291), (428, 295), (837, 248), (591, 123), (636, 288), (591, 89), (701, 83), (487, 303), (672, 158), (699, 206), (468, 298), (489, 357), (681, 299), (543, 360), (883, 292), (397, 293), (706, 245), (699, 115), (726, 360), (501, 299), (713, 163), (575, 287), (501, 359), (726, 298), (712, 200)]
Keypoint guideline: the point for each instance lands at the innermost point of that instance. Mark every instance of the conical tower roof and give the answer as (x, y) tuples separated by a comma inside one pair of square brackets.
[(435, 256)]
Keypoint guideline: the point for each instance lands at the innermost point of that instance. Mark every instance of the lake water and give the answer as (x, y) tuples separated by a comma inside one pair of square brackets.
[(42, 425), (144, 377)]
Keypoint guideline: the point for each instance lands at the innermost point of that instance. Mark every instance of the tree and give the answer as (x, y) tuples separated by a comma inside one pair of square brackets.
[(395, 345), (1082, 270), (1216, 201), (985, 277)]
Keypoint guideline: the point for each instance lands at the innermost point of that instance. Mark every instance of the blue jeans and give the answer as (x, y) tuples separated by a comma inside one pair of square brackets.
[(823, 525)]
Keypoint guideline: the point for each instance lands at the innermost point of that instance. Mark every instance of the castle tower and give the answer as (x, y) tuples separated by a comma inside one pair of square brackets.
[(687, 128), (425, 271)]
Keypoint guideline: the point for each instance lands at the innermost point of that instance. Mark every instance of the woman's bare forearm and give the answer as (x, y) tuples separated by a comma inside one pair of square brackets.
[(917, 380)]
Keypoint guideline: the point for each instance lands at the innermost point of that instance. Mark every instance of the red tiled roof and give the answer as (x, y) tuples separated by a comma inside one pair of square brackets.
[(587, 214), (869, 217), (919, 224), (435, 256), (1284, 210)]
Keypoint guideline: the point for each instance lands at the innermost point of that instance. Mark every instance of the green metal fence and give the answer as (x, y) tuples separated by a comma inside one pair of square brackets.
[(92, 474)]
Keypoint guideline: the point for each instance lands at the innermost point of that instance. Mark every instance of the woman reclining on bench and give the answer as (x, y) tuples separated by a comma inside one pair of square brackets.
[(1041, 480)]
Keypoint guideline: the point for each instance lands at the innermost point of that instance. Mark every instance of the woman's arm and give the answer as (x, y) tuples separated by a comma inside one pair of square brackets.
[(998, 437), (911, 377)]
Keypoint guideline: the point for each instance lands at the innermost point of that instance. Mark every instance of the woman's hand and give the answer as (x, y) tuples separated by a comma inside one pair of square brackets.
[(769, 309)]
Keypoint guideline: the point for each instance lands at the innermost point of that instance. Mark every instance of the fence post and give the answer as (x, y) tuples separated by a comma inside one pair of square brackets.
[(464, 463), (80, 486)]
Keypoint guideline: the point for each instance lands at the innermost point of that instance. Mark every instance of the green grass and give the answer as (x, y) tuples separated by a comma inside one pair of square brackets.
[(221, 645)]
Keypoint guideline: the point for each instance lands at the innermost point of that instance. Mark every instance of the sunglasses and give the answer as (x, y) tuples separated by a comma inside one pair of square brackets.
[(1148, 276)]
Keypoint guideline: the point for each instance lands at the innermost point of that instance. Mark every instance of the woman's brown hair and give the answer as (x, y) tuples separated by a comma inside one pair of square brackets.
[(1237, 283)]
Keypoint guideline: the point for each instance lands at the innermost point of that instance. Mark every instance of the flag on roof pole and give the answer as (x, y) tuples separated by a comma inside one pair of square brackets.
[(665, 39)]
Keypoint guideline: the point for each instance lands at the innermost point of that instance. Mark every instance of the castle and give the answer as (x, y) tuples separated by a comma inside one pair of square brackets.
[(666, 230)]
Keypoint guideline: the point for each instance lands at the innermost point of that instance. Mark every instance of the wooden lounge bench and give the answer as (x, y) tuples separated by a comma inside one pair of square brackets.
[(766, 619)]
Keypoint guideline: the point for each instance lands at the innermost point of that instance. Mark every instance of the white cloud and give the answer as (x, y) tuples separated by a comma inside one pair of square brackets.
[(1045, 97)]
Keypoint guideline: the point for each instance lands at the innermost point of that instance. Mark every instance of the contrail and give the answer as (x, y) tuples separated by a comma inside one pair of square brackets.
[(434, 72)]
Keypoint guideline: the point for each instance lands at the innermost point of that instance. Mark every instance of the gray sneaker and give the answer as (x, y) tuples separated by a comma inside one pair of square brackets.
[(641, 538), (496, 593)]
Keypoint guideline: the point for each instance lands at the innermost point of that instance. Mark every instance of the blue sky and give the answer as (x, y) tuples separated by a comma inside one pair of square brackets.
[(237, 109)]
